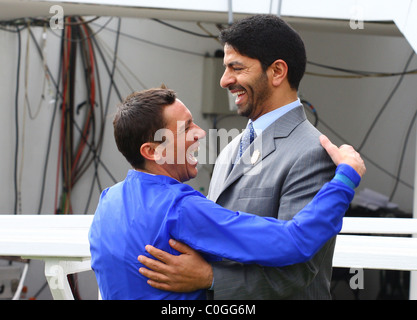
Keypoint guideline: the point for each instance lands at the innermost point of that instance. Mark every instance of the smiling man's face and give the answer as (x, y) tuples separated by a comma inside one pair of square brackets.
[(245, 79), (182, 143)]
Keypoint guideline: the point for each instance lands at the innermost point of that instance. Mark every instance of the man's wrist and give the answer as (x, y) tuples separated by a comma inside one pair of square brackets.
[(346, 174)]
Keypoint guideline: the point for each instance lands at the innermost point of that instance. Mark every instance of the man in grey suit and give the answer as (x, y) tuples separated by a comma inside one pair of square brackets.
[(278, 174)]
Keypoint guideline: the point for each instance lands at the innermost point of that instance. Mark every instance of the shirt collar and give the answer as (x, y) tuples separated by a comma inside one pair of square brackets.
[(267, 119)]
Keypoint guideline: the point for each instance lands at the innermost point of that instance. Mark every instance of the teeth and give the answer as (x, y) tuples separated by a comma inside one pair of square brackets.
[(238, 93), (192, 155), (192, 158), (192, 152)]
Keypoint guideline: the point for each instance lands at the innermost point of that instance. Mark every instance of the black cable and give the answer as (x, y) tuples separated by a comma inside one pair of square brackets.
[(312, 110), (111, 85), (106, 66), (100, 97), (48, 148), (58, 95), (90, 122), (363, 73), (92, 147), (40, 290), (8, 30), (83, 39), (19, 49), (385, 103), (43, 58), (402, 155), (153, 43), (337, 68), (116, 49), (365, 156), (185, 30)]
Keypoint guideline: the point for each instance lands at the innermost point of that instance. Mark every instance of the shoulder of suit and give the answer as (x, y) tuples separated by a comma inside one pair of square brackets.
[(283, 126)]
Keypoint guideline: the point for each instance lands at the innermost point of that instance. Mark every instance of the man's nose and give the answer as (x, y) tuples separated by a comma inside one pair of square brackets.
[(199, 134), (195, 134), (227, 79)]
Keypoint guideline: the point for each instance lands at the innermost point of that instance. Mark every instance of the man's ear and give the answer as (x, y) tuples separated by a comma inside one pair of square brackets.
[(279, 71), (148, 151)]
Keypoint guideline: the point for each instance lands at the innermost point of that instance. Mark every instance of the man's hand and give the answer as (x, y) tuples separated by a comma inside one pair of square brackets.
[(184, 273), (344, 154)]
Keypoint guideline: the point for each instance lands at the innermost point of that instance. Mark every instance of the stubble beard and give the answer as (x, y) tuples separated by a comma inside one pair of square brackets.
[(259, 93)]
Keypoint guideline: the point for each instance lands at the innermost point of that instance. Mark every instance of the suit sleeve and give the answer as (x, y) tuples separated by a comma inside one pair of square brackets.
[(232, 279), (239, 236)]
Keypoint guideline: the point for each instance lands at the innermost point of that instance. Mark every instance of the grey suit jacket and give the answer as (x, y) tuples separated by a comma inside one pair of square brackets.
[(284, 169)]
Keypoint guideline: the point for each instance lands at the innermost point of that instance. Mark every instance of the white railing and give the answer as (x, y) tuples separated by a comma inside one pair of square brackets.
[(378, 243), (62, 242)]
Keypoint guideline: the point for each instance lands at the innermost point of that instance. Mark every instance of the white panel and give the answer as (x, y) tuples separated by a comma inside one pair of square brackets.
[(369, 252), (407, 23), (45, 235), (379, 225)]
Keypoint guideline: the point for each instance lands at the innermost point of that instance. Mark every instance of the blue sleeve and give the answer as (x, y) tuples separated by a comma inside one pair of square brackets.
[(240, 236), (347, 175)]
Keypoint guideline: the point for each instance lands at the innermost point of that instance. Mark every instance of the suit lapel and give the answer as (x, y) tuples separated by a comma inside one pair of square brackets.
[(223, 168), (264, 144)]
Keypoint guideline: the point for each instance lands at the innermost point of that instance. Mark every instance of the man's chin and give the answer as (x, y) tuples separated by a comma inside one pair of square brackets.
[(191, 174), (194, 173), (243, 110)]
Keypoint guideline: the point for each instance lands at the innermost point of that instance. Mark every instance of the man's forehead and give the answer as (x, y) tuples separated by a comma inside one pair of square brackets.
[(232, 57), (178, 113), (230, 53)]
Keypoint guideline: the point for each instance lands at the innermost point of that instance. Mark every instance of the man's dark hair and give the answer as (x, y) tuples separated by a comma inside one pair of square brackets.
[(268, 38), (137, 120)]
